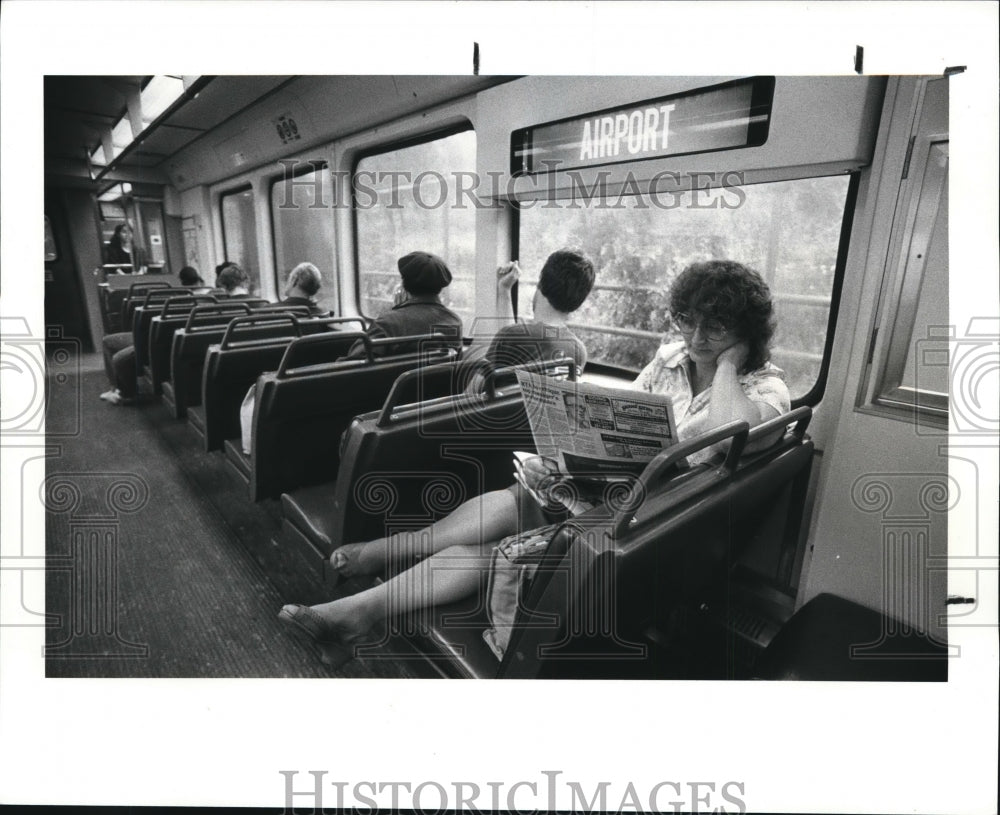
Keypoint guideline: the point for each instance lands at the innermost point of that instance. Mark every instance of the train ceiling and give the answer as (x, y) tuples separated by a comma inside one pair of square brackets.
[(80, 110)]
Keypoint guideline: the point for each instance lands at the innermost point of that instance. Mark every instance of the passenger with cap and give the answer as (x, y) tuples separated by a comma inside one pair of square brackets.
[(418, 308), (304, 281)]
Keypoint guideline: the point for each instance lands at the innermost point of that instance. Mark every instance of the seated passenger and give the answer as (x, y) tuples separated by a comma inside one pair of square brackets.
[(718, 373), (119, 353), (303, 283), (417, 308), (218, 271), (189, 277), (563, 284)]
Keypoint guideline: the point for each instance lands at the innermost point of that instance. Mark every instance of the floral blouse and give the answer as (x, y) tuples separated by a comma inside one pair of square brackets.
[(667, 374)]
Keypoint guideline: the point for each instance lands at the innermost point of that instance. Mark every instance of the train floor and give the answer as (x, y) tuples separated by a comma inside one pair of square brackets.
[(158, 565)]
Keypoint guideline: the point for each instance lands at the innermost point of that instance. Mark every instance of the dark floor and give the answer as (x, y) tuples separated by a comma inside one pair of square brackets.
[(159, 565)]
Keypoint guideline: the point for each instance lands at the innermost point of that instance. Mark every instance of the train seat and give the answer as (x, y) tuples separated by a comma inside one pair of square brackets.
[(233, 365), (831, 638), (608, 576), (301, 412), (206, 326), (429, 447), (308, 517), (118, 292), (187, 351), (238, 460), (159, 329), (451, 638), (138, 313)]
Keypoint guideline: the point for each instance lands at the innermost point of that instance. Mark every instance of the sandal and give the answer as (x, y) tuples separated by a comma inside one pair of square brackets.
[(333, 650)]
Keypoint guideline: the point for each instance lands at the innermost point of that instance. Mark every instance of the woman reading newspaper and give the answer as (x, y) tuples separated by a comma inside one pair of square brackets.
[(717, 373)]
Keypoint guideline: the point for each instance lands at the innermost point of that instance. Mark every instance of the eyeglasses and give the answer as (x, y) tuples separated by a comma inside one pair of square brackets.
[(711, 329)]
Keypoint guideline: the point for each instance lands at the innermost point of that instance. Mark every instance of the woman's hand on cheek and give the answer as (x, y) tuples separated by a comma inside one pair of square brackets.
[(736, 354)]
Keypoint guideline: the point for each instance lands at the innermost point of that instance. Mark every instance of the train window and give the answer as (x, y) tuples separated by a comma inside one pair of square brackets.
[(790, 231), (303, 226), (239, 233), (401, 204)]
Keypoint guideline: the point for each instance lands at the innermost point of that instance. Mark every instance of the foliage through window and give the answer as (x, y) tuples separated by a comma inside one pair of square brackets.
[(302, 214), (788, 231), (404, 202)]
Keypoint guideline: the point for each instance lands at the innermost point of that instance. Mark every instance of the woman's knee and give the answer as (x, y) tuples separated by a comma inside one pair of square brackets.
[(114, 343)]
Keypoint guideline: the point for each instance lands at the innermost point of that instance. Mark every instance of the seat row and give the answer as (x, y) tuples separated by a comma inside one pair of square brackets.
[(203, 357)]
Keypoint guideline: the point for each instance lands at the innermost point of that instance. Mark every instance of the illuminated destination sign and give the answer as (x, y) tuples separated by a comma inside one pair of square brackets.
[(734, 114)]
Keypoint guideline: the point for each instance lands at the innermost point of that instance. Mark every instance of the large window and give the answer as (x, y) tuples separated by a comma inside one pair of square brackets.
[(405, 201), (239, 233), (302, 214), (789, 231)]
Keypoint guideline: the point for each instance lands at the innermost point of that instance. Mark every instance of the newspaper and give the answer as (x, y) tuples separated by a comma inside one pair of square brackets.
[(593, 433)]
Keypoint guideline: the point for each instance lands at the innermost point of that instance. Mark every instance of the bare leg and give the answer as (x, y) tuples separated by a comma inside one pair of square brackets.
[(487, 517), (444, 577)]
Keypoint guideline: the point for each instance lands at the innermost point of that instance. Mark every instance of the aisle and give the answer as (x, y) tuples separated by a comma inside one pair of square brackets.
[(158, 563)]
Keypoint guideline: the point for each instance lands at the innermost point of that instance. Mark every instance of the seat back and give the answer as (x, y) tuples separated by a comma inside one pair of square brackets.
[(302, 410), (430, 447), (232, 366), (138, 312), (774, 553), (119, 291), (205, 325), (253, 302), (627, 566), (159, 335)]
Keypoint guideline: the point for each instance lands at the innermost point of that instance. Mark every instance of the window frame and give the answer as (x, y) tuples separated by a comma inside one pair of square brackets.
[(315, 165), (881, 391), (387, 147), (815, 393), (223, 194)]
